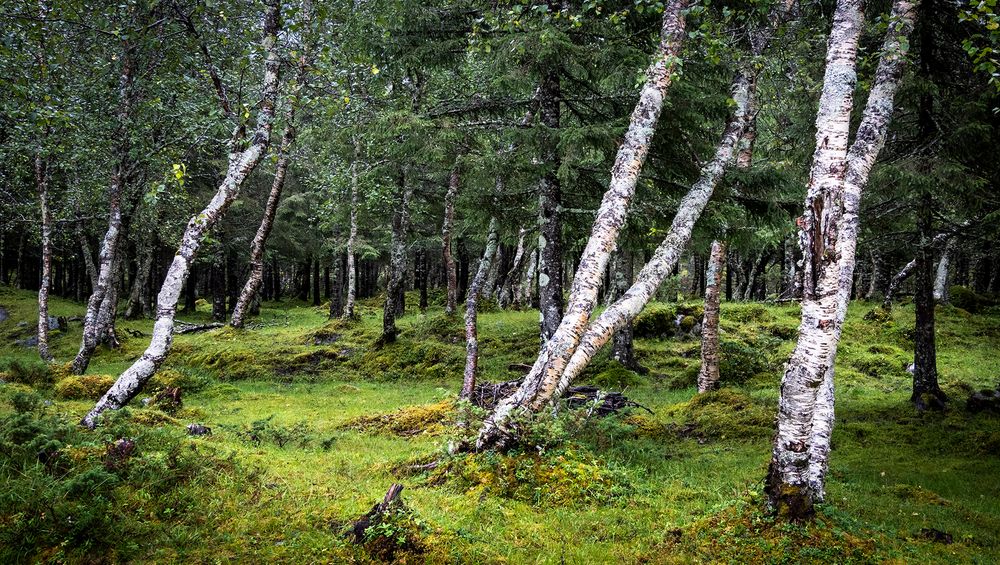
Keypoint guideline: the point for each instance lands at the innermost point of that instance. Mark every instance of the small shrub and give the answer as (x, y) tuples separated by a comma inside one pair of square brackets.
[(741, 361), (31, 372), (748, 312), (879, 315), (261, 432), (25, 401), (83, 387), (172, 378)]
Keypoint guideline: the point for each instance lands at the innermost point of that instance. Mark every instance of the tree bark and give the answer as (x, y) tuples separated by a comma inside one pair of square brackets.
[(926, 391), (241, 164), (941, 276), (524, 294), (397, 264), (42, 184), (336, 293), (708, 375), (540, 382), (622, 346), (800, 455), (219, 283), (352, 275), (451, 274), (316, 282), (471, 305), (899, 278), (137, 306), (509, 283), (550, 253), (257, 247)]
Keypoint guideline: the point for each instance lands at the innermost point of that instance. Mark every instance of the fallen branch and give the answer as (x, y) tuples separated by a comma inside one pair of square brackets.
[(186, 327)]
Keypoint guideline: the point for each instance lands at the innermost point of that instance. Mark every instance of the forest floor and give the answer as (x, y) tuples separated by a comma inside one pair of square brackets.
[(312, 423)]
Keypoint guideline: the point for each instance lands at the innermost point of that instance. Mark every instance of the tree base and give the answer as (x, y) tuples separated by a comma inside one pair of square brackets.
[(793, 503)]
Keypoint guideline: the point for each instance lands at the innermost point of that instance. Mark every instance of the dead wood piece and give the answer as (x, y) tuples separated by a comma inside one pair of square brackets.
[(390, 501), (186, 328), (603, 403)]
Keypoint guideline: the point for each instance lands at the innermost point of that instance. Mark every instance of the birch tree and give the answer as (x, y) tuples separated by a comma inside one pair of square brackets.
[(352, 238), (451, 275), (42, 184), (609, 221), (708, 375), (828, 238), (241, 164), (471, 310)]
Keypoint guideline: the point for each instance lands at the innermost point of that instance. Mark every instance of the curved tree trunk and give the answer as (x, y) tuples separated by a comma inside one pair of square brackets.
[(241, 164), (451, 274), (252, 286), (611, 215), (471, 304), (708, 375), (800, 455), (42, 182), (899, 278)]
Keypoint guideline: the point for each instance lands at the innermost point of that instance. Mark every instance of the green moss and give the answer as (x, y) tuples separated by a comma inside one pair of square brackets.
[(747, 312), (31, 372), (428, 419), (740, 361), (917, 494), (615, 376), (877, 365), (879, 315), (84, 387), (725, 413), (655, 322), (968, 300)]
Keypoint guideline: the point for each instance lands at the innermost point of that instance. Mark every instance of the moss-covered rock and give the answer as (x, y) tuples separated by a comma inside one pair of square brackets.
[(968, 299), (614, 375), (655, 322), (83, 387)]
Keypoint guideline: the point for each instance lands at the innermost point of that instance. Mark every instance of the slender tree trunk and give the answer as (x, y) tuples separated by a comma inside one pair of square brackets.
[(108, 313), (241, 164), (219, 283), (899, 278), (42, 182), (523, 296), (830, 226), (510, 281), (352, 276), (397, 265), (135, 307), (550, 252), (257, 247), (708, 375), (471, 306), (451, 274), (191, 291), (540, 382), (622, 346), (336, 294), (926, 391), (316, 282)]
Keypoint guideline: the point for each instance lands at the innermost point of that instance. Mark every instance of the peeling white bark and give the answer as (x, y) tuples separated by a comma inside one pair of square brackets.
[(241, 164), (708, 375), (352, 275), (829, 239), (941, 276), (42, 182), (451, 301), (540, 383)]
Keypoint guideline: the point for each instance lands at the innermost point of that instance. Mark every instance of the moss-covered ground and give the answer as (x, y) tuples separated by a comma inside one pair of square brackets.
[(311, 424)]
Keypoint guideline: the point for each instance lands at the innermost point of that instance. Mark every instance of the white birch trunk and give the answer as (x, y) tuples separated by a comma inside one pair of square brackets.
[(523, 296), (352, 238), (510, 280), (42, 182), (941, 276), (471, 304), (708, 375), (241, 164), (541, 381)]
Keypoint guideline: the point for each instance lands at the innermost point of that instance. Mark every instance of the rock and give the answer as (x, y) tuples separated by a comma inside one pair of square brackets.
[(198, 430), (53, 323), (28, 342), (984, 400), (326, 339), (936, 535), (3, 314)]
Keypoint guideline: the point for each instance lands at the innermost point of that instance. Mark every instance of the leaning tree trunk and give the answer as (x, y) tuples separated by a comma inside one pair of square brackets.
[(352, 275), (667, 254), (253, 284), (899, 278), (42, 182), (451, 275), (127, 94), (540, 382), (708, 375), (800, 456), (471, 306), (397, 260), (241, 164)]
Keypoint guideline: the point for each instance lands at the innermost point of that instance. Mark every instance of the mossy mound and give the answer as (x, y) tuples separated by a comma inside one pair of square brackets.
[(445, 328), (878, 366), (879, 315), (171, 378), (33, 372), (428, 419), (406, 359), (749, 312), (646, 426), (565, 476), (84, 387), (740, 361), (725, 413), (968, 299), (655, 322), (614, 375), (744, 533), (918, 494)]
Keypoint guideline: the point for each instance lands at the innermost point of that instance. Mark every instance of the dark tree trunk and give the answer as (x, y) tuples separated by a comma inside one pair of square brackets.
[(397, 265), (463, 270), (316, 283), (219, 285), (926, 392), (550, 255), (336, 287)]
